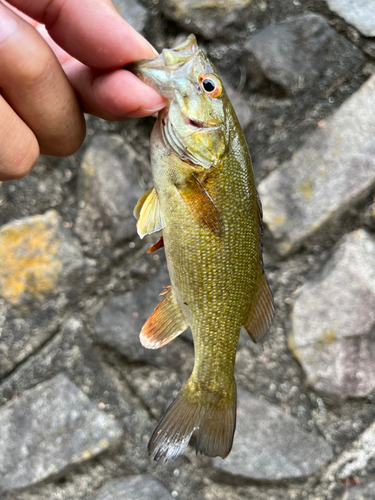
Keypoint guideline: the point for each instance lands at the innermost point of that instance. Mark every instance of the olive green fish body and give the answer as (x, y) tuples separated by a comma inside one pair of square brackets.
[(213, 275), (208, 208)]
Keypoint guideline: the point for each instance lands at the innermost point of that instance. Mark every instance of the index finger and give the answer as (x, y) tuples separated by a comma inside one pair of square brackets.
[(92, 31)]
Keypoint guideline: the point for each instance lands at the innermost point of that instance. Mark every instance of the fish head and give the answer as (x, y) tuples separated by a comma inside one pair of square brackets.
[(193, 124)]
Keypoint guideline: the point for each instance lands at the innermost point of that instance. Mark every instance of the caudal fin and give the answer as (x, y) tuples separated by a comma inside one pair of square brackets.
[(211, 415)]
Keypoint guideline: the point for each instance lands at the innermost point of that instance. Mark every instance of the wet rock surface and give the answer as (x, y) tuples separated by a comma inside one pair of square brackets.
[(41, 265), (334, 321), (274, 443), (134, 488), (109, 188), (241, 106), (292, 53), (133, 12), (360, 14), (331, 172), (208, 18), (46, 429), (357, 460), (74, 311), (364, 491), (121, 318), (37, 255)]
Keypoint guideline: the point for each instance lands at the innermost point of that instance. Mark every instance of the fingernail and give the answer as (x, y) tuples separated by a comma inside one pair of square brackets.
[(7, 23), (157, 108), (153, 49)]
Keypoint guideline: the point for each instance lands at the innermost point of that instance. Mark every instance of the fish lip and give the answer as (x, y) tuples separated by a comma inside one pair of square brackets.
[(194, 123), (197, 124)]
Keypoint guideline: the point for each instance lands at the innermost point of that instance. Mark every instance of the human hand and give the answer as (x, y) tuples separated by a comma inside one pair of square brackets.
[(63, 60)]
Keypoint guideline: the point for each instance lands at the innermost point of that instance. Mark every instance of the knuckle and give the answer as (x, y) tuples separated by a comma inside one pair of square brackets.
[(36, 69)]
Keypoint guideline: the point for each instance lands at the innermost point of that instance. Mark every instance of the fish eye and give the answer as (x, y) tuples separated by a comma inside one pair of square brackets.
[(211, 85)]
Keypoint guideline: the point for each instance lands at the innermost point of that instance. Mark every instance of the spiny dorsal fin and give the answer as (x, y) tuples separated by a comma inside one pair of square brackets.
[(261, 313), (200, 204), (148, 213), (164, 324)]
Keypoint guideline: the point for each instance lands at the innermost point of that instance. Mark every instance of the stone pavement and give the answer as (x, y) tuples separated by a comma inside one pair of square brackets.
[(80, 396)]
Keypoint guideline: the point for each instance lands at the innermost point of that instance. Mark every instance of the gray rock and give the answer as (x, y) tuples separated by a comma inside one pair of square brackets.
[(41, 266), (134, 488), (334, 321), (69, 351), (354, 461), (361, 14), (72, 352), (242, 107), (120, 320), (330, 173), (109, 189), (208, 18), (133, 12), (48, 428), (270, 445), (363, 491), (292, 53)]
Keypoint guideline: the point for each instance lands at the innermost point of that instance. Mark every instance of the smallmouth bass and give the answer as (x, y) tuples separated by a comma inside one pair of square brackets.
[(205, 201)]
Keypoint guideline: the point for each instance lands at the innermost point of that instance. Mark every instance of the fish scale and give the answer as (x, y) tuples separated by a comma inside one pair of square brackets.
[(204, 200)]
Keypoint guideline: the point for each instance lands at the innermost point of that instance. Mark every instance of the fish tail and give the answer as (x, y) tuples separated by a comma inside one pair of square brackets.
[(212, 415)]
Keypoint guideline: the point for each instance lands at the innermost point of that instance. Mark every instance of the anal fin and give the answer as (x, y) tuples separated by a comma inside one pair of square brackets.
[(261, 313), (200, 204), (148, 212), (164, 324)]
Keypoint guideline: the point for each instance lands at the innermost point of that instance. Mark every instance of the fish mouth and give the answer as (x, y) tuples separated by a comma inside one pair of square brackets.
[(193, 123), (173, 139), (161, 72)]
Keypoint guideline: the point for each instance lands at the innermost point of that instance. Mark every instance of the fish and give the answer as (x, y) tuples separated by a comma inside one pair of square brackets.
[(205, 202)]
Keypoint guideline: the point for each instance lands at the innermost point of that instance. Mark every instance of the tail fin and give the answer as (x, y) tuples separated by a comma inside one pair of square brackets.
[(211, 415)]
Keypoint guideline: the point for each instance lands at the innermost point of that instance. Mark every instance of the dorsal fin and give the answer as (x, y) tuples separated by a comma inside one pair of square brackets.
[(200, 204), (147, 210), (261, 313), (164, 324)]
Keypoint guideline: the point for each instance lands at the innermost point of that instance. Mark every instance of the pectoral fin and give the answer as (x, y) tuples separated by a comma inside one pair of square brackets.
[(200, 204), (148, 213), (261, 313), (164, 324)]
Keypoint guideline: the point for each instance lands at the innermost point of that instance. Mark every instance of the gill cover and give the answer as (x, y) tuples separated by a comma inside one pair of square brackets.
[(193, 125)]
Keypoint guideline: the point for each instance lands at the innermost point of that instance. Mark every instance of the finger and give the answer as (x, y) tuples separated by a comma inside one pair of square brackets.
[(35, 86), (114, 95), (19, 148), (92, 31)]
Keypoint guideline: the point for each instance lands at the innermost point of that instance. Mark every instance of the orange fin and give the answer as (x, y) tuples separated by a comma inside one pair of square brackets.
[(156, 246), (211, 415), (164, 324), (261, 313), (200, 204), (148, 213)]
